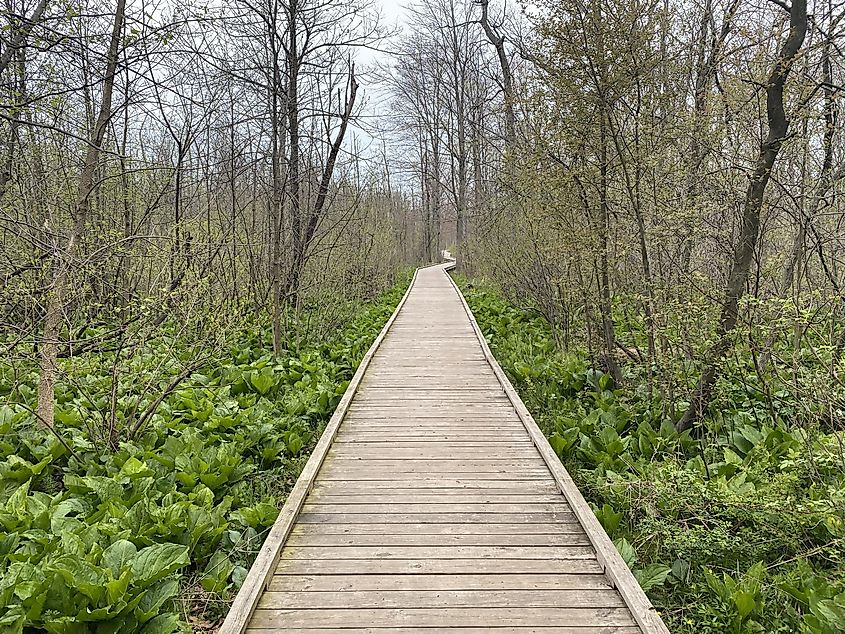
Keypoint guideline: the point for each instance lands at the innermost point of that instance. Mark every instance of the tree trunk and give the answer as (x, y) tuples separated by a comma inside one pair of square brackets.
[(23, 32), (750, 228), (63, 261), (315, 214), (277, 202), (705, 72), (605, 297), (498, 42), (291, 286)]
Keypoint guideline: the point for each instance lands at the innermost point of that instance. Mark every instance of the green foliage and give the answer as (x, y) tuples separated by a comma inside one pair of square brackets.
[(103, 538), (739, 531)]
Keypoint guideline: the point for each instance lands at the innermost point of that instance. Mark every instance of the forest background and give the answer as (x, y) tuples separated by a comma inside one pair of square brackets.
[(207, 211)]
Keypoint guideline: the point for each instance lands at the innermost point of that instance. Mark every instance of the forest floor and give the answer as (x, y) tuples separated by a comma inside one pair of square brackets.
[(739, 530), (117, 522)]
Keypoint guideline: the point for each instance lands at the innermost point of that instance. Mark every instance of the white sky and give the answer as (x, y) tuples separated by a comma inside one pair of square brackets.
[(376, 109), (393, 10)]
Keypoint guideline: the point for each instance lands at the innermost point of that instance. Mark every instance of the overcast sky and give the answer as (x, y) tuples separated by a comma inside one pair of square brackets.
[(376, 110)]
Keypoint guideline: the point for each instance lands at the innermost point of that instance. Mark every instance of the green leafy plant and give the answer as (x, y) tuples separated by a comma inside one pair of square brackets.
[(106, 538), (692, 517)]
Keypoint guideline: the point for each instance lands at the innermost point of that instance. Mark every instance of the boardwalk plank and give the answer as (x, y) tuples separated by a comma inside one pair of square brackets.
[(436, 566), (423, 517), (440, 485), (443, 617), (546, 553), (415, 582), (575, 538), (607, 629), (445, 506), (484, 598), (445, 528), (417, 497)]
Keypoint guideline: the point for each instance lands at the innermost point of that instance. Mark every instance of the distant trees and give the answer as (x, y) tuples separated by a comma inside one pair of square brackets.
[(446, 84), (634, 190), (182, 165)]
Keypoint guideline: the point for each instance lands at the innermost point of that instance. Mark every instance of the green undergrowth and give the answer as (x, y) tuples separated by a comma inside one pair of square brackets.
[(143, 517), (739, 531)]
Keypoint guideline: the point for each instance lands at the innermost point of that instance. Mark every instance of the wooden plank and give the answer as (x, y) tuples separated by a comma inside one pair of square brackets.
[(376, 582), (484, 433), (443, 617), (419, 553), (641, 608), (436, 566), (536, 629), (444, 424), (366, 475), (438, 406), (456, 497), (559, 507), (262, 569), (443, 432), (438, 485), (436, 518), (361, 599), (423, 453), (470, 465), (444, 528), (344, 441), (578, 538)]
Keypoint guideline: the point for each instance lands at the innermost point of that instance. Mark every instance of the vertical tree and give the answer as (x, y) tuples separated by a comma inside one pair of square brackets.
[(64, 258), (778, 126)]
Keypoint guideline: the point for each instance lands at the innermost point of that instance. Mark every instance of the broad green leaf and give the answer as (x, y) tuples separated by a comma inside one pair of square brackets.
[(262, 381), (16, 504), (629, 555), (216, 575), (744, 602), (119, 554), (134, 468), (157, 561), (239, 576), (117, 588), (80, 575), (163, 624), (154, 598), (652, 576)]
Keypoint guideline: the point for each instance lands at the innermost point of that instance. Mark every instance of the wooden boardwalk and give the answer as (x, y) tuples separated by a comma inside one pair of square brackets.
[(433, 503)]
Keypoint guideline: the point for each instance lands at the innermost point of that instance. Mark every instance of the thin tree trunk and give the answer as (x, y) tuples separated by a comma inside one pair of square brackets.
[(277, 203), (498, 42), (316, 213), (293, 138), (20, 37), (706, 65), (750, 228), (63, 261), (605, 297)]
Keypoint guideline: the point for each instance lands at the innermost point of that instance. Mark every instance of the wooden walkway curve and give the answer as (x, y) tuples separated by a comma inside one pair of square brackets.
[(433, 503)]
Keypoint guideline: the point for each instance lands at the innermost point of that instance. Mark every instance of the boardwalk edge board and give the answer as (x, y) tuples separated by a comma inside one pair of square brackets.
[(261, 573), (609, 558)]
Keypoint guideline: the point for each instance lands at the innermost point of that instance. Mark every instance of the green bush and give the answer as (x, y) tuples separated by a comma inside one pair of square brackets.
[(740, 531), (106, 537)]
